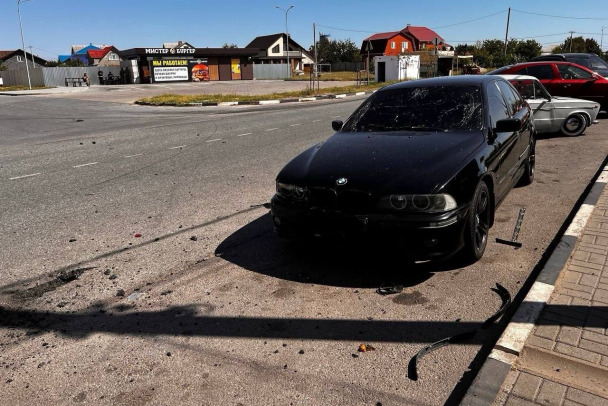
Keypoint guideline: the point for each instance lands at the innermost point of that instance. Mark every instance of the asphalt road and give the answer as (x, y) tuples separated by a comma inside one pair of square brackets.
[(207, 306)]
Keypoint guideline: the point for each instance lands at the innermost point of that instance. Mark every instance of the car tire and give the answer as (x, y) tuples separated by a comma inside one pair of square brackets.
[(575, 124), (529, 167), (477, 224)]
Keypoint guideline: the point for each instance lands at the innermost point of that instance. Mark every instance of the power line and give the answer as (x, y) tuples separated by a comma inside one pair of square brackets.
[(468, 21), (564, 17), (346, 29), (433, 28)]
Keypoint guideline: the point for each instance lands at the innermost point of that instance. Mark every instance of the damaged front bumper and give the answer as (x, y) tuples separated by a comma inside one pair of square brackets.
[(426, 235)]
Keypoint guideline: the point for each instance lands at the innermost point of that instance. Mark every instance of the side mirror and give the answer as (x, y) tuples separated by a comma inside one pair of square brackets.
[(336, 125), (508, 125)]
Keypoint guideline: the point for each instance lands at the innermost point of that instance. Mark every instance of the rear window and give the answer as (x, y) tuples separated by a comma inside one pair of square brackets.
[(595, 62), (538, 71), (437, 108)]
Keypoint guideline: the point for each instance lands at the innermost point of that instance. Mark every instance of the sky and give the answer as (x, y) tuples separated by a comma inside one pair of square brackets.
[(51, 27)]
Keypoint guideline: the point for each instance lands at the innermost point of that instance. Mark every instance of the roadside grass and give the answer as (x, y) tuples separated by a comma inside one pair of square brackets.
[(333, 76), (15, 88), (184, 100)]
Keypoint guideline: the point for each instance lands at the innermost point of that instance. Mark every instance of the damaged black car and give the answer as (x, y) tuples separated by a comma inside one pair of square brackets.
[(425, 163)]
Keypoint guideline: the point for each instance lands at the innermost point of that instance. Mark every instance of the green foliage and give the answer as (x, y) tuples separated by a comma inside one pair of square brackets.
[(491, 53), (2, 67), (336, 51), (579, 44), (229, 46), (69, 62)]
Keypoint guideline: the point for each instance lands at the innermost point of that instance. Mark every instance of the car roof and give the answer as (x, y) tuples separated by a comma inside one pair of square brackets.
[(460, 80), (517, 77)]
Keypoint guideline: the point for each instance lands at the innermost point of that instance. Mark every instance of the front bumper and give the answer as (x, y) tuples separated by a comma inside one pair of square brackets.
[(424, 236)]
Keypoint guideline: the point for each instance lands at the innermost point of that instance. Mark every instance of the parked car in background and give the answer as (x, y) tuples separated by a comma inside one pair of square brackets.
[(554, 113), (422, 163), (563, 79), (589, 61)]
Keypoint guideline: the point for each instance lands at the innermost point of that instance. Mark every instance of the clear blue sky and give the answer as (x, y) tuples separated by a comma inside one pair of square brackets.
[(52, 26)]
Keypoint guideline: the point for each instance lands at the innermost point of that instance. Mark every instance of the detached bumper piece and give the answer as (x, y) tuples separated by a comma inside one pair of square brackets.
[(505, 296)]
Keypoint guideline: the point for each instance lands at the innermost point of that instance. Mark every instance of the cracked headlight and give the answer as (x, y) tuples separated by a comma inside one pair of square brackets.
[(294, 192), (418, 203)]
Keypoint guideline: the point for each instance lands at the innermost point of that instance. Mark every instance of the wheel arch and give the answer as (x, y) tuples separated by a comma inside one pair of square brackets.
[(489, 181)]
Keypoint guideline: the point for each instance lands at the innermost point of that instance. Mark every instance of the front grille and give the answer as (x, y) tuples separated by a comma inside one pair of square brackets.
[(349, 201)]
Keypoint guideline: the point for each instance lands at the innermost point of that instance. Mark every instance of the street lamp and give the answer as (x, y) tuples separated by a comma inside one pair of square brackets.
[(23, 45), (287, 39)]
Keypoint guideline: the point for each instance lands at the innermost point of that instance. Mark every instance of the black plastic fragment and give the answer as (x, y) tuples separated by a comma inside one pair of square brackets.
[(265, 205), (505, 296), (389, 289), (513, 242), (412, 368)]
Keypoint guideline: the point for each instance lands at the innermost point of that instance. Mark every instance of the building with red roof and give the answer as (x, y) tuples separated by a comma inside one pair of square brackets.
[(410, 39), (107, 56)]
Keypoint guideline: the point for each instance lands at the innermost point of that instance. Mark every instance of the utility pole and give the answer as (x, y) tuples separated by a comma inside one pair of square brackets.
[(286, 39), (602, 41), (369, 45), (507, 33), (314, 42), (571, 32), (27, 68)]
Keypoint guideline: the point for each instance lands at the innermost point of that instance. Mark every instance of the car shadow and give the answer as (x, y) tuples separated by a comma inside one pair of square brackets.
[(354, 264)]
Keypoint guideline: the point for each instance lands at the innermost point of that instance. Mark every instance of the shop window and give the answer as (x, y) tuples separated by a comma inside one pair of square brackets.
[(275, 50)]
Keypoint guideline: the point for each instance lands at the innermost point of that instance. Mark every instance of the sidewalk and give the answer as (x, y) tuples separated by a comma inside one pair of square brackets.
[(555, 349)]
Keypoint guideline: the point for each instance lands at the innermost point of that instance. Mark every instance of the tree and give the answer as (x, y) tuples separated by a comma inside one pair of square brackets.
[(336, 51), (578, 44), (491, 53), (2, 67), (229, 46)]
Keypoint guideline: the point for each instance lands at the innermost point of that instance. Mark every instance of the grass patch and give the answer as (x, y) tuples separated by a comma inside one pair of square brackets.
[(15, 88), (333, 76), (184, 100)]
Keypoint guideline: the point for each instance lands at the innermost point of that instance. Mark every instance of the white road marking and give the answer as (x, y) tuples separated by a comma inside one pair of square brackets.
[(315, 121), (336, 116), (180, 146), (131, 156), (217, 139), (580, 220), (240, 135), (294, 125), (24, 176), (514, 337), (272, 129), (80, 166)]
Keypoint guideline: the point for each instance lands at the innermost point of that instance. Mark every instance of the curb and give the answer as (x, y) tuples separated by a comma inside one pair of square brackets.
[(487, 383), (260, 102)]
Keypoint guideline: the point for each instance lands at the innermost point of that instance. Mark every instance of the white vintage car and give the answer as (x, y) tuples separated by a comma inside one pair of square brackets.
[(551, 113)]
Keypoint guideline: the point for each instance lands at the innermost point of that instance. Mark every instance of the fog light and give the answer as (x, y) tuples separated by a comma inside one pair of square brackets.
[(431, 242)]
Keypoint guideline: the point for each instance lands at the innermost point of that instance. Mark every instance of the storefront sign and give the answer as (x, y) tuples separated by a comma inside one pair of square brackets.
[(170, 70), (170, 51), (199, 70), (236, 66)]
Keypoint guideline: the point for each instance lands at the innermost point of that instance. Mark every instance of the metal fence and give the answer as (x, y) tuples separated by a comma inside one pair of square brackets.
[(51, 77), (19, 77), (56, 76), (347, 66), (277, 71)]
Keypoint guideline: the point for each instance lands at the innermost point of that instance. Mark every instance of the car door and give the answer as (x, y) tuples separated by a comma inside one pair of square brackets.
[(543, 108), (517, 108), (503, 143), (578, 83)]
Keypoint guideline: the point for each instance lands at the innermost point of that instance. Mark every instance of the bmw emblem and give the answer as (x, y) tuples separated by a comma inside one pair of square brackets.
[(341, 181)]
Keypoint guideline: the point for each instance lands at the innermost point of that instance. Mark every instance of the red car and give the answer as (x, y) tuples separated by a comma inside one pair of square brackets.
[(563, 79)]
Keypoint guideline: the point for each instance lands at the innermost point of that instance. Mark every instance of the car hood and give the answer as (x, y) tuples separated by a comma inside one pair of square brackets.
[(403, 162)]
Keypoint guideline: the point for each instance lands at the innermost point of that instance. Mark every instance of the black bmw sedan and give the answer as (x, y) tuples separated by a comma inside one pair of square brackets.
[(423, 162)]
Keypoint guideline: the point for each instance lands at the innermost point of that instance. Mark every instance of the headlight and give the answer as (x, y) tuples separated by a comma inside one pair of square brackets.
[(292, 191), (419, 203)]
